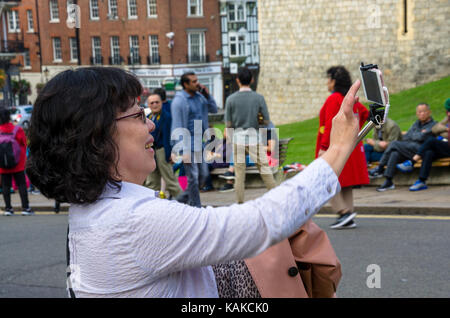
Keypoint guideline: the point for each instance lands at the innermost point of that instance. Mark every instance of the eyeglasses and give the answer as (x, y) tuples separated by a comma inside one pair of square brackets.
[(141, 113)]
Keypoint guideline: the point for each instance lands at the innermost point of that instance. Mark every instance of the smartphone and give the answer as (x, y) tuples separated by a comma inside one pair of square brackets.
[(373, 85)]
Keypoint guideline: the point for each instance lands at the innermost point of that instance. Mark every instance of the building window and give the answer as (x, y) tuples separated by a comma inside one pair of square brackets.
[(237, 45), (134, 50), (112, 9), (255, 51), (57, 53), (195, 8), (30, 21), (240, 13), (13, 21), (231, 12), (151, 8), (154, 50), (54, 11), (27, 60), (115, 51), (93, 5), (73, 50), (236, 13), (132, 9), (196, 45), (96, 51)]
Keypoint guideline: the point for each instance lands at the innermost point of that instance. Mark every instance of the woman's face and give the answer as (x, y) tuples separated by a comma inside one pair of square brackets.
[(133, 139), (330, 84)]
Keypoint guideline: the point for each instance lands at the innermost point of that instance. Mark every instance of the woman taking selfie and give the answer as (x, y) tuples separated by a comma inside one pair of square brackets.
[(90, 146), (355, 170)]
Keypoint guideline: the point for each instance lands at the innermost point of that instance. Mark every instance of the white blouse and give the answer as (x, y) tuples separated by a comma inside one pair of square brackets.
[(132, 244)]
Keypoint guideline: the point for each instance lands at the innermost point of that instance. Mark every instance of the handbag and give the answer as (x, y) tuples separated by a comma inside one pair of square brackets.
[(319, 267), (305, 265)]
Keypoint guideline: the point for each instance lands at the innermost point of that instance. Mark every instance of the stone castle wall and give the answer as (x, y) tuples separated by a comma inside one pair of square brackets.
[(301, 39)]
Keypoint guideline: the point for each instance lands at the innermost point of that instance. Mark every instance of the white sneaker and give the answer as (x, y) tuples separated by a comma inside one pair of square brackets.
[(27, 212), (8, 212), (343, 220)]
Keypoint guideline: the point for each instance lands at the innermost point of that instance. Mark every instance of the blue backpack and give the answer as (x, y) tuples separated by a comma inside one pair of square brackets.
[(9, 149)]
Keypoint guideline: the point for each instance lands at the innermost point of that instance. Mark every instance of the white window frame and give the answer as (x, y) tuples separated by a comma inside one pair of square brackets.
[(240, 44), (132, 48), (153, 46), (93, 8), (57, 50), (112, 8), (238, 17), (54, 11), (231, 7), (198, 4), (152, 4), (115, 49), (13, 18), (234, 8), (132, 17), (255, 53), (96, 47), (26, 60), (30, 21), (202, 45), (73, 49)]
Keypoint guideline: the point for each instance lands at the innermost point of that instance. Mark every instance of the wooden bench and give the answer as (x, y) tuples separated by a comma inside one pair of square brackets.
[(443, 162), (282, 154)]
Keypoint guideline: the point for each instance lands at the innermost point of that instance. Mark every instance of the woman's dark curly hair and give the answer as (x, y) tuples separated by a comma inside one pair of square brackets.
[(342, 78), (72, 152)]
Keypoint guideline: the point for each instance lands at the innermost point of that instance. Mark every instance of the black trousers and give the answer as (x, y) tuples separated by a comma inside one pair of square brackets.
[(19, 177), (431, 150)]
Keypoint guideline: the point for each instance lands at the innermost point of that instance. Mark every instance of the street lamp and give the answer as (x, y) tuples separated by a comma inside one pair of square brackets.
[(46, 71)]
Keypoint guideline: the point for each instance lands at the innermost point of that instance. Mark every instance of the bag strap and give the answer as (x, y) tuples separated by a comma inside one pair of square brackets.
[(71, 293), (15, 130)]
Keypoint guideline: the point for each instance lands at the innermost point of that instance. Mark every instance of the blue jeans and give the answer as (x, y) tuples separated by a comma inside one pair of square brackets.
[(371, 154), (196, 174)]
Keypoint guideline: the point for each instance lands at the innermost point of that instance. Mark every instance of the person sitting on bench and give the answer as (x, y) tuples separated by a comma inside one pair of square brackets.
[(404, 149), (432, 149)]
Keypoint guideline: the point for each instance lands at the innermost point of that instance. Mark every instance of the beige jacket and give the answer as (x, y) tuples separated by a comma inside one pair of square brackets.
[(305, 265)]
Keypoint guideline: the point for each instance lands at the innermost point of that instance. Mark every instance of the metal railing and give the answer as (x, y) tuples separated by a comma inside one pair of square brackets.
[(115, 60), (153, 59)]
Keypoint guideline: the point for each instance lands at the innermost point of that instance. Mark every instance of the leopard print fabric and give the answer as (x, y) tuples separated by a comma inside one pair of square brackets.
[(235, 281)]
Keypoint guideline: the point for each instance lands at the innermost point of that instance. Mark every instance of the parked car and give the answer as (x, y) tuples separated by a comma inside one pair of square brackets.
[(21, 115)]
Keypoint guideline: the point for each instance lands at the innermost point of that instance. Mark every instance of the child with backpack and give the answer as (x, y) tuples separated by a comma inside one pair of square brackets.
[(13, 143)]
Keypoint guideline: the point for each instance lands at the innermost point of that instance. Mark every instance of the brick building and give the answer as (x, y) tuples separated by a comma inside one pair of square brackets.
[(158, 40), (17, 27)]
